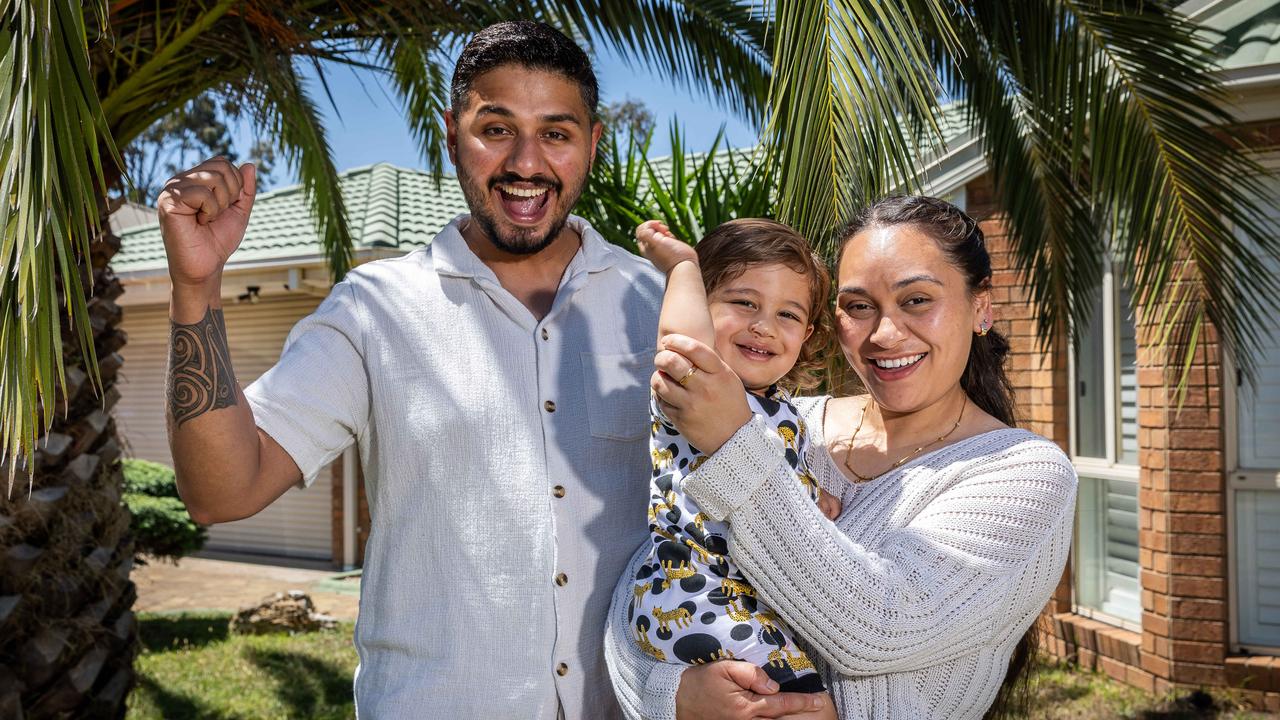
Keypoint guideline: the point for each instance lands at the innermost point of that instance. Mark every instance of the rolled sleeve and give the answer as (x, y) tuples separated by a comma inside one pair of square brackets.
[(315, 400)]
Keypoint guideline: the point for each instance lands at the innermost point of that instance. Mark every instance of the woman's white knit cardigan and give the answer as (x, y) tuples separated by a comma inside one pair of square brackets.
[(913, 600)]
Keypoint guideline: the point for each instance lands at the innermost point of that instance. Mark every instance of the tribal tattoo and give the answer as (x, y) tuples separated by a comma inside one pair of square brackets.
[(200, 374)]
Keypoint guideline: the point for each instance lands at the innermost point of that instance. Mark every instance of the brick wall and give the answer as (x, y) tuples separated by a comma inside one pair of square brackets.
[(1182, 503), (1038, 374)]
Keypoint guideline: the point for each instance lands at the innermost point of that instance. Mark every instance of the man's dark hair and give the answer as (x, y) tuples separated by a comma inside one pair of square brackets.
[(529, 44)]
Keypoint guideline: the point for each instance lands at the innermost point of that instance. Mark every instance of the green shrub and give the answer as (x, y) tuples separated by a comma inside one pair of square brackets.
[(143, 477), (161, 525)]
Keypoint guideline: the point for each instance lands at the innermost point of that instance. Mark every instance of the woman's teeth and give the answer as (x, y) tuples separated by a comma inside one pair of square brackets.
[(754, 351), (897, 362)]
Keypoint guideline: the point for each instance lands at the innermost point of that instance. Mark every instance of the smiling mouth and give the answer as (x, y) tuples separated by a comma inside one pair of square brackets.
[(755, 353), (524, 204), (897, 363)]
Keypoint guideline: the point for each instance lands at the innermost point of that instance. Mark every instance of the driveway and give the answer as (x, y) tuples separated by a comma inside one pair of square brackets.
[(209, 584)]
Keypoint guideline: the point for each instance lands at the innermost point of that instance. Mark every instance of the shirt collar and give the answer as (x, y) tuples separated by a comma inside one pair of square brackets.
[(451, 255)]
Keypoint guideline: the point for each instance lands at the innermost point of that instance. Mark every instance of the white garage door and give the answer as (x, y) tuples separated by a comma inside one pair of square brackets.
[(300, 523)]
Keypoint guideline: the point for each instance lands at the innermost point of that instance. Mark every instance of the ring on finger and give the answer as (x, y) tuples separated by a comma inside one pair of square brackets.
[(685, 378)]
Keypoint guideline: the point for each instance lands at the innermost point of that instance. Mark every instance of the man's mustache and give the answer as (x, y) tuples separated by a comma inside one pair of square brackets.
[(512, 179)]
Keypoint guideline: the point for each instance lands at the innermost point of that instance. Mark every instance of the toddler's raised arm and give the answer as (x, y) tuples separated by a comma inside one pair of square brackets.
[(684, 306)]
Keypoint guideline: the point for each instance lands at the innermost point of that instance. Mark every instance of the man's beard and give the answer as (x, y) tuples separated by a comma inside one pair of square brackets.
[(517, 241)]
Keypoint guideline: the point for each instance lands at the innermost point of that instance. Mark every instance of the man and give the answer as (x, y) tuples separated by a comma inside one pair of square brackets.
[(496, 385)]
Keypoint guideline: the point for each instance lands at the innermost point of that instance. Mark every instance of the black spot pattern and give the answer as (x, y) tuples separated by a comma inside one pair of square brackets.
[(698, 607)]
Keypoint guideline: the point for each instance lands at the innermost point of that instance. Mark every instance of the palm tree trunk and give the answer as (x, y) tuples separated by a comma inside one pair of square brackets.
[(68, 635)]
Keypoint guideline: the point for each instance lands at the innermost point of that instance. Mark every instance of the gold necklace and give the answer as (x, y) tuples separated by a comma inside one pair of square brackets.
[(865, 478)]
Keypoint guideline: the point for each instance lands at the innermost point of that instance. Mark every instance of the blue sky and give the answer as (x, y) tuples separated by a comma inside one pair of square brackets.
[(367, 127)]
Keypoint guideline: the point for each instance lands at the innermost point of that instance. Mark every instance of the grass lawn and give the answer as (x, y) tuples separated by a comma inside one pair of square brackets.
[(1066, 693), (191, 668)]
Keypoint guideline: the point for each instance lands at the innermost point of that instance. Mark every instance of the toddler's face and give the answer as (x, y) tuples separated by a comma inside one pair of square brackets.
[(761, 319)]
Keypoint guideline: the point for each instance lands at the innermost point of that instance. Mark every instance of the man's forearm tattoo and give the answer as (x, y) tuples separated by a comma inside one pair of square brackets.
[(200, 375)]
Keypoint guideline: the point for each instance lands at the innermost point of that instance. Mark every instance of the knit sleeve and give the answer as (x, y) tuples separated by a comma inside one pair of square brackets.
[(811, 408), (950, 579)]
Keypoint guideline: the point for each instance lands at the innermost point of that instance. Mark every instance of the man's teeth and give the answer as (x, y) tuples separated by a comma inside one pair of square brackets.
[(522, 192), (898, 362)]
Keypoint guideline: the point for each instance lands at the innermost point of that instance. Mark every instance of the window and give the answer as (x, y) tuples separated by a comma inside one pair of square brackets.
[(1257, 516), (1254, 497), (1105, 451)]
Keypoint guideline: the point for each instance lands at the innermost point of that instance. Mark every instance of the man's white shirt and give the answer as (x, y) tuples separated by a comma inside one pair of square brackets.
[(505, 462)]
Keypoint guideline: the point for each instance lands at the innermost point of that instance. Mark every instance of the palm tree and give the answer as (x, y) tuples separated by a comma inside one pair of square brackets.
[(79, 81)]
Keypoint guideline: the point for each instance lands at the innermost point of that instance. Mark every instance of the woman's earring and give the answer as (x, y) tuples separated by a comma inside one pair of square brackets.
[(985, 325)]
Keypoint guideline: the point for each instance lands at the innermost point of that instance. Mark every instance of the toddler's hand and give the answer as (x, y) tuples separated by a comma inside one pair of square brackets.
[(829, 505), (661, 248)]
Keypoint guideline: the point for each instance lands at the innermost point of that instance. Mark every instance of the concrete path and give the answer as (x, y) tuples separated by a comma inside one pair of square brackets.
[(207, 584)]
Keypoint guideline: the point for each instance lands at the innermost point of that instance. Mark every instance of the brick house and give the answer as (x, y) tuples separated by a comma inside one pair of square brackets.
[(1174, 579)]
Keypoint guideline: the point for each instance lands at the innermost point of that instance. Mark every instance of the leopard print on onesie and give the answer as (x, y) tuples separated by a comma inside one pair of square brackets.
[(691, 603)]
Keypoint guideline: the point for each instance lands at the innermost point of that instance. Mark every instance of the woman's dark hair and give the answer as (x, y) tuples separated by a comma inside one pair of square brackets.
[(984, 378), (528, 44), (734, 246)]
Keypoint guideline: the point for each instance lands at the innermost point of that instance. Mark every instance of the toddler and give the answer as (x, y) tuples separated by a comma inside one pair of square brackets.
[(753, 291)]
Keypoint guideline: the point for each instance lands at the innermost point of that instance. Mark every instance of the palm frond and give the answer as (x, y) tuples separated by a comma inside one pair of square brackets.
[(715, 47), (1154, 114), (52, 137), (1021, 98), (849, 77), (418, 74), (1102, 124), (294, 120)]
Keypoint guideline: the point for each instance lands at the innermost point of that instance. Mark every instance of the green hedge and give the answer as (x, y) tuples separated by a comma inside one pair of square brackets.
[(161, 525)]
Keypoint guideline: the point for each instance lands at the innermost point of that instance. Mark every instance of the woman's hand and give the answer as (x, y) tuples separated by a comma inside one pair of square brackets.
[(732, 690), (708, 405)]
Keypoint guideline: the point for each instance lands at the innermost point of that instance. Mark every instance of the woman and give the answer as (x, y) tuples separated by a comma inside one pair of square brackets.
[(955, 526)]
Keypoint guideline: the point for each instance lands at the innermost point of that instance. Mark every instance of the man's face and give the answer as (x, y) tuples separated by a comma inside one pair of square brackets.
[(522, 147)]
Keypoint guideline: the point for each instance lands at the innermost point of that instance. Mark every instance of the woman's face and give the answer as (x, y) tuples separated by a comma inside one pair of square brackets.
[(905, 317)]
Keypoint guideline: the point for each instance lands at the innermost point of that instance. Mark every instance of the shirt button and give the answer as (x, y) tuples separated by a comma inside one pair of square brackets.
[(562, 579), (558, 491), (562, 669), (549, 406), (545, 334)]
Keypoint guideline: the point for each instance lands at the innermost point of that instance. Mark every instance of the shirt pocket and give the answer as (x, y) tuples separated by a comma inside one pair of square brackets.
[(617, 394)]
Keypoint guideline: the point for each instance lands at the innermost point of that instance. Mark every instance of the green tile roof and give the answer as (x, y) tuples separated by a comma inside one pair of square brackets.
[(388, 207), (1246, 32)]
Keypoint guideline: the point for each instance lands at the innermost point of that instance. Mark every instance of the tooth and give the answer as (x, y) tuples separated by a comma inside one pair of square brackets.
[(523, 192)]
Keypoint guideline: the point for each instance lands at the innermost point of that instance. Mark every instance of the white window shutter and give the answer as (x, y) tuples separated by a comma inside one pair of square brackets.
[(1258, 545)]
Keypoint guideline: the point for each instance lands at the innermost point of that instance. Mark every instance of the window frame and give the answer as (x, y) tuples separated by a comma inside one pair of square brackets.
[(1240, 479), (1109, 467)]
